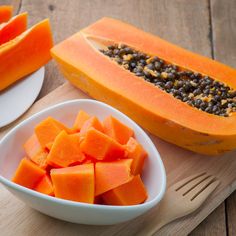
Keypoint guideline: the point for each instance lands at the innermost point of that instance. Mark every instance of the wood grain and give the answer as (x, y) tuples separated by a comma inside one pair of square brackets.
[(183, 22), (224, 38)]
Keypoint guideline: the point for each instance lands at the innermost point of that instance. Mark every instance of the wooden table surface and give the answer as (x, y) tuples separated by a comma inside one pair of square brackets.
[(204, 26)]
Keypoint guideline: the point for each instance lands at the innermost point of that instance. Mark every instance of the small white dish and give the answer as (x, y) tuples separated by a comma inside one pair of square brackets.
[(11, 150), (16, 99)]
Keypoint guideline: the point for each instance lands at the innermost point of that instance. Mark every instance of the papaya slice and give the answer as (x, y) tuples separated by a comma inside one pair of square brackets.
[(45, 186), (92, 122), (47, 130), (25, 54), (137, 154), (32, 146), (74, 183), (13, 28), (109, 175), (80, 119), (5, 13), (65, 150), (28, 174), (117, 130), (101, 147), (130, 193), (160, 112)]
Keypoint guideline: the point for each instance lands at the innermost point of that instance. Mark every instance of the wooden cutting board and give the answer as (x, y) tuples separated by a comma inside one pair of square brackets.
[(179, 163)]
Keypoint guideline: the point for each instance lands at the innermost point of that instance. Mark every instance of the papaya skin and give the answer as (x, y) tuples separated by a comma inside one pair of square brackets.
[(158, 112)]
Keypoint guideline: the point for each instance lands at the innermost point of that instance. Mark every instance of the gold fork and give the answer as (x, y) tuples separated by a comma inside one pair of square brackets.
[(181, 199)]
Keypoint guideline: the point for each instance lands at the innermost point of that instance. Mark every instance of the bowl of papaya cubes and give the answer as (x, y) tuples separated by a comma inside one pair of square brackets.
[(84, 162)]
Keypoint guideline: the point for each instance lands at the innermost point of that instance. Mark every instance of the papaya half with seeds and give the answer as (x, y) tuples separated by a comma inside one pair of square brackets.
[(89, 60)]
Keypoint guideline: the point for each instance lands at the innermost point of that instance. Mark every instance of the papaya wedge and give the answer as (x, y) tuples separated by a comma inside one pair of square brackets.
[(84, 60), (25, 54), (13, 28), (5, 13)]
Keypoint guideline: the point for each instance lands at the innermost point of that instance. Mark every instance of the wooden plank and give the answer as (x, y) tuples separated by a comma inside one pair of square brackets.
[(162, 17), (224, 37), (213, 225)]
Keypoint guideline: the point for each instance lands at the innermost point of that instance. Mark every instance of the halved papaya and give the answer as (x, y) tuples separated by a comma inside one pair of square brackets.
[(25, 54), (161, 111), (5, 13), (13, 28)]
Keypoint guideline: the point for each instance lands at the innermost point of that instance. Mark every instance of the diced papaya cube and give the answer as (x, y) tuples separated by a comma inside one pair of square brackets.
[(109, 175), (136, 152), (40, 158), (117, 130), (101, 147), (74, 183), (47, 130), (80, 120), (45, 186), (32, 146), (92, 122), (65, 150), (130, 193), (28, 174)]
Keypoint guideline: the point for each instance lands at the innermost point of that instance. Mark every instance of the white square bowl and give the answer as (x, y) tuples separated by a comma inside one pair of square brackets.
[(11, 152)]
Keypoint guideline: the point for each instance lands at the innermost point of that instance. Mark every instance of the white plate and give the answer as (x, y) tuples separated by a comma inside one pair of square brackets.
[(15, 100)]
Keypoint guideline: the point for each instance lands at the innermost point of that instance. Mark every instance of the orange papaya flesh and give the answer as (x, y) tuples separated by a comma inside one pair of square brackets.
[(117, 130), (47, 130), (65, 150), (161, 114), (5, 13), (28, 174), (13, 28), (137, 153), (25, 54), (109, 175), (80, 119), (48, 146), (40, 158), (92, 122), (32, 146), (45, 186), (130, 193), (74, 183), (101, 147)]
